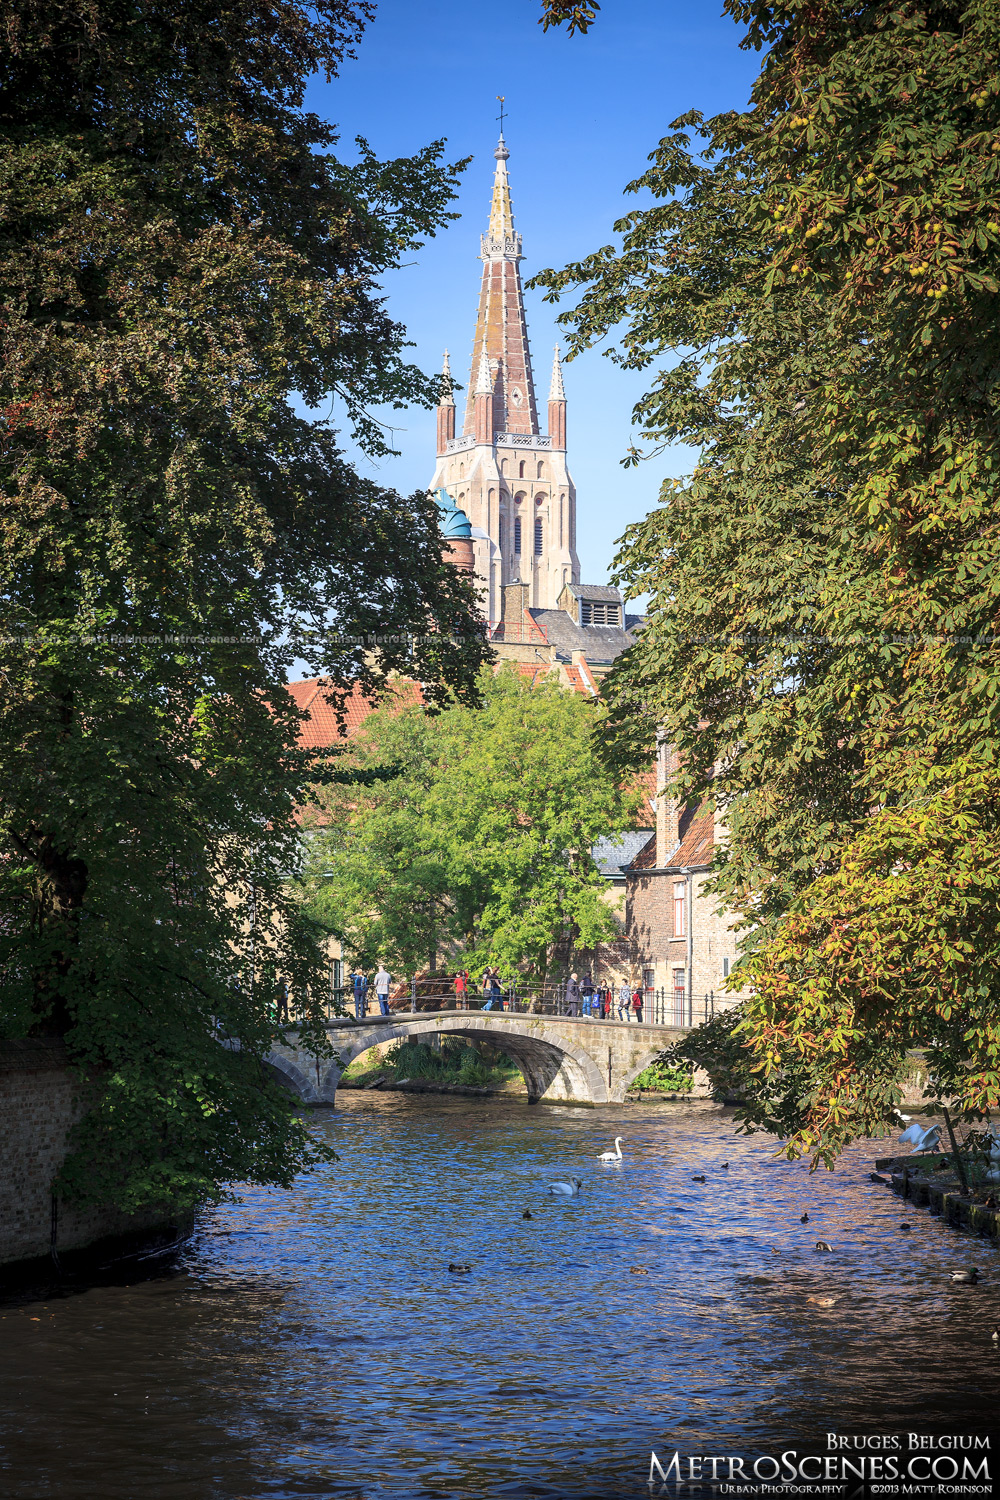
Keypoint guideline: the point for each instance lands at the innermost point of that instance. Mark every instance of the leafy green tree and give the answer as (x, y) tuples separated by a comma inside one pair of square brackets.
[(479, 848), (817, 283), (187, 270)]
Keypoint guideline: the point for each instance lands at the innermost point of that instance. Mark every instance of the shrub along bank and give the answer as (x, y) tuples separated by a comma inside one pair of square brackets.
[(456, 1063)]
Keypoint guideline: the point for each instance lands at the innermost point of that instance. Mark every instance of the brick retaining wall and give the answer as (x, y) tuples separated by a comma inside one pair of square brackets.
[(39, 1101)]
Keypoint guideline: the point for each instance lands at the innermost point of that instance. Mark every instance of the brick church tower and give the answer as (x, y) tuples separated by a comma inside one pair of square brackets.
[(509, 477)]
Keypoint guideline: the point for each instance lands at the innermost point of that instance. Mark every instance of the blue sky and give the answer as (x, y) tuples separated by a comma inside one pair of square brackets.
[(583, 115)]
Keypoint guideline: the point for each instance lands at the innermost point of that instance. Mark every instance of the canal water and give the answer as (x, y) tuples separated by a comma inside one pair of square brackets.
[(314, 1343)]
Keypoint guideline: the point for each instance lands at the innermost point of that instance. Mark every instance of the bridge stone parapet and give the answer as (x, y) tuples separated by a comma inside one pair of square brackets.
[(562, 1059)]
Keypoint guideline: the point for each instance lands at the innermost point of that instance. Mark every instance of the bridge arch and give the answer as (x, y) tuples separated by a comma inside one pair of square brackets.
[(553, 1065), (626, 1080), (291, 1076)]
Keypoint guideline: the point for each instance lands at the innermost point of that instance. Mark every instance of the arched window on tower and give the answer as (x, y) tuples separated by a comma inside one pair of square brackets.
[(520, 469), (541, 468), (517, 535), (538, 537), (502, 532)]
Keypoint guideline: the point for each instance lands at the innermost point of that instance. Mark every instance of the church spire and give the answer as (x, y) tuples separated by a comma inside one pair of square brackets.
[(501, 327), (501, 212)]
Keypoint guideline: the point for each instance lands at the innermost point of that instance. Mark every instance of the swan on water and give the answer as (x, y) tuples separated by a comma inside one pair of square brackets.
[(616, 1154), (569, 1189), (923, 1140)]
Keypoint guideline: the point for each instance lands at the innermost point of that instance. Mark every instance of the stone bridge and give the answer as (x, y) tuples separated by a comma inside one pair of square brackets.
[(562, 1058)]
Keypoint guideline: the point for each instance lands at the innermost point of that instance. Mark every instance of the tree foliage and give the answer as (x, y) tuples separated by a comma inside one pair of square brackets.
[(576, 15), (816, 282), (188, 269), (479, 848)]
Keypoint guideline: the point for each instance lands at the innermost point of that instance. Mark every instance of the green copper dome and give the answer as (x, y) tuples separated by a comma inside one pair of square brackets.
[(454, 523)]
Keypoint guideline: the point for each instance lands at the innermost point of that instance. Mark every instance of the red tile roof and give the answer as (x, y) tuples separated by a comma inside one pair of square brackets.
[(697, 843), (646, 858), (695, 847), (322, 727)]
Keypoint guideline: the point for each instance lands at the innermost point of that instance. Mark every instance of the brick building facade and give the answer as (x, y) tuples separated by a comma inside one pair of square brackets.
[(679, 940)]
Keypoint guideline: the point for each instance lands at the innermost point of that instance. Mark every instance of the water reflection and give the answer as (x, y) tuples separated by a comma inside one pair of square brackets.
[(314, 1344)]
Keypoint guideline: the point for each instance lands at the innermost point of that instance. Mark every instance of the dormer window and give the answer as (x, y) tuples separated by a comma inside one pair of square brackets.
[(592, 613)]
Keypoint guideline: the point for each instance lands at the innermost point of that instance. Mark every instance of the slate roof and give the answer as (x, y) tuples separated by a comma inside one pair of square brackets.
[(612, 854), (599, 643), (597, 591)]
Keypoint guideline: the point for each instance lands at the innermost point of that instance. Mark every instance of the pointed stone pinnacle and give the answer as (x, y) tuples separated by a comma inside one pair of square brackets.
[(447, 397), (484, 380), (557, 391)]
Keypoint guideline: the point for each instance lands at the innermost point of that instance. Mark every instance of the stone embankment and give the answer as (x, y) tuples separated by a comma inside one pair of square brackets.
[(933, 1182), (40, 1100)]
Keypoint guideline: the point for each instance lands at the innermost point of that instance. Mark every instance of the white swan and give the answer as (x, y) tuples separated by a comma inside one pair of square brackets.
[(569, 1189), (923, 1140), (616, 1154)]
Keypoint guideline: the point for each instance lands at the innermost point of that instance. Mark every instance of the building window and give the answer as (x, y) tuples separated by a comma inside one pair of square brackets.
[(538, 536), (679, 906), (725, 968), (502, 532), (541, 468), (520, 469), (517, 535), (680, 995), (599, 614)]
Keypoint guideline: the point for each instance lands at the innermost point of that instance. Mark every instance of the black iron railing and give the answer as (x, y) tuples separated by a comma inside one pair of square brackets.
[(659, 1007)]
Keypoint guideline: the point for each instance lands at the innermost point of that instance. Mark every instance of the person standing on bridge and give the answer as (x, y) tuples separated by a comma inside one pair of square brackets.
[(360, 984), (462, 990), (573, 994), (624, 1001), (383, 979), (637, 999)]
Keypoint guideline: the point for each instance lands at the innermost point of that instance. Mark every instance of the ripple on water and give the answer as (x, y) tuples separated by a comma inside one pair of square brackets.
[(314, 1343)]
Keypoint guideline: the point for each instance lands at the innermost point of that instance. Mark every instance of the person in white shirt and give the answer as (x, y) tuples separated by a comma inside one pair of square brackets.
[(383, 979), (624, 1001)]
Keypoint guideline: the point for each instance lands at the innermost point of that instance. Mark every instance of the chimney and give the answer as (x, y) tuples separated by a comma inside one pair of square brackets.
[(514, 609), (557, 404), (445, 409), (579, 661), (666, 806)]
